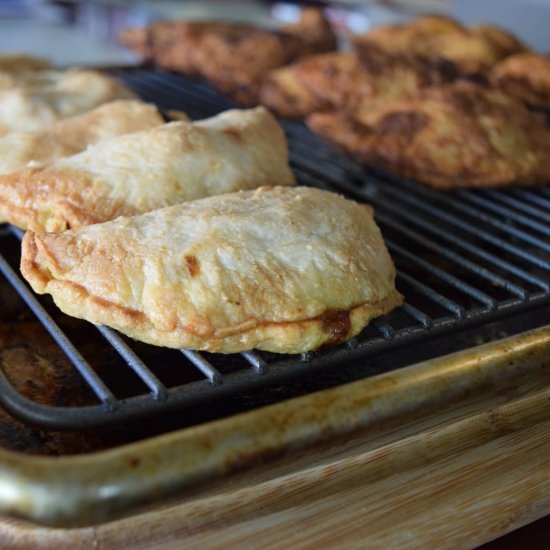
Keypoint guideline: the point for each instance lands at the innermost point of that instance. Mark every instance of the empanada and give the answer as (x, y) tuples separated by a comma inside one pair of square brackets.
[(234, 57), (343, 81), (72, 135), (460, 135), (280, 269), (526, 77), (42, 97), (135, 173)]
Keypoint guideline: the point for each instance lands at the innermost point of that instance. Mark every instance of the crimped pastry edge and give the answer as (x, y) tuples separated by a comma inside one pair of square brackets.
[(275, 336)]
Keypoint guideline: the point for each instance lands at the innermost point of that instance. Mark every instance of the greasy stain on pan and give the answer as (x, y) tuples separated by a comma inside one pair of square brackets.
[(464, 258)]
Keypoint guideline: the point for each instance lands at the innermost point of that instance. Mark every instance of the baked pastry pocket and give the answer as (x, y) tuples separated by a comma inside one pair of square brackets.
[(142, 171), (280, 269)]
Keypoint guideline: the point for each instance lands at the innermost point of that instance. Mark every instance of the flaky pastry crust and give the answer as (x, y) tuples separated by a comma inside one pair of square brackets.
[(161, 166), (526, 77), (284, 93), (473, 50), (234, 57), (281, 269)]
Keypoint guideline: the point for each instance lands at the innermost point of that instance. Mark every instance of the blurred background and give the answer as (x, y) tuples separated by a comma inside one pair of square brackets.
[(84, 32)]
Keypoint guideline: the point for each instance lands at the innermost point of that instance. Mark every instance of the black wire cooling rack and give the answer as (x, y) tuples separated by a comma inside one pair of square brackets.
[(463, 258)]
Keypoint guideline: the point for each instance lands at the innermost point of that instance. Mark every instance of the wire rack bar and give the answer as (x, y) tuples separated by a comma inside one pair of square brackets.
[(417, 315), (420, 288), (158, 390), (256, 361), (452, 200), (461, 261), (492, 199), (453, 281), (386, 330), (448, 217), (438, 231), (213, 375), (505, 212), (531, 197)]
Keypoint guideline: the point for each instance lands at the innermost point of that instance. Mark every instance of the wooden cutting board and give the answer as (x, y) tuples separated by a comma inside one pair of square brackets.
[(457, 479)]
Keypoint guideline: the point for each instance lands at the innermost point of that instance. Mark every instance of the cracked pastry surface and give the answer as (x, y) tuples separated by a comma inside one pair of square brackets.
[(38, 98), (283, 91), (161, 166), (472, 49), (72, 135), (526, 77), (459, 135), (284, 269)]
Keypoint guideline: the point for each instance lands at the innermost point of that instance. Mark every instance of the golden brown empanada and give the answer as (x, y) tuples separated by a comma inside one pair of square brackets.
[(343, 81), (526, 77), (234, 57), (280, 269), (460, 135), (39, 98), (72, 135), (135, 173)]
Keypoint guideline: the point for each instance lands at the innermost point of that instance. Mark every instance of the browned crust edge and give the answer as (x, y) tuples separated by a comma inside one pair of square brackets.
[(330, 328)]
